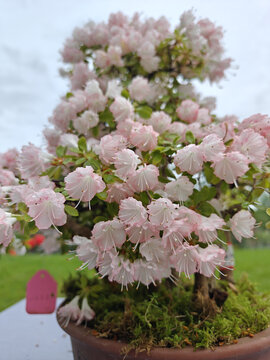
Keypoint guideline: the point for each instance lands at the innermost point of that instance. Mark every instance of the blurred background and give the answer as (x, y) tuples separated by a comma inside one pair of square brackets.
[(33, 31)]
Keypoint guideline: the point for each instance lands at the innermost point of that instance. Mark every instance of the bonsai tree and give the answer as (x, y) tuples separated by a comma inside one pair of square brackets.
[(138, 171)]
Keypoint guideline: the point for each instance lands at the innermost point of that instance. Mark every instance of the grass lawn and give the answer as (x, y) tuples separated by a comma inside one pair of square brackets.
[(16, 271)]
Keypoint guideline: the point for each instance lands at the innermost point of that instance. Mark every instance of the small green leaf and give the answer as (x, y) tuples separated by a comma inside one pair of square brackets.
[(69, 95), (125, 93), (229, 142), (268, 211), (94, 163), (107, 117), (144, 112), (190, 137), (156, 157), (109, 178), (99, 218), (60, 151), (82, 145), (80, 161), (70, 210), (144, 198), (206, 209), (102, 195)]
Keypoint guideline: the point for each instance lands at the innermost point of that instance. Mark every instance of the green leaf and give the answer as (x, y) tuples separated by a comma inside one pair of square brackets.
[(99, 218), (94, 163), (61, 151), (74, 150), (163, 180), (107, 117), (113, 208), (268, 211), (69, 95), (102, 195), (95, 131), (82, 145), (70, 210), (125, 93), (144, 112), (209, 174), (206, 209), (144, 198), (190, 137), (156, 157), (229, 142), (80, 161), (109, 178), (205, 194)]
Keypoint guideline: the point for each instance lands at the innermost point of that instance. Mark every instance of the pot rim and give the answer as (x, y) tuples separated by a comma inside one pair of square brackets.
[(245, 345)]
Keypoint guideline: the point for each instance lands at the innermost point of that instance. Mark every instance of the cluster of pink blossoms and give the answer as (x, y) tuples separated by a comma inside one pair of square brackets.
[(153, 154)]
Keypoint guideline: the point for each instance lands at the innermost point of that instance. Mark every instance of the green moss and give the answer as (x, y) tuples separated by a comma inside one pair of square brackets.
[(163, 315)]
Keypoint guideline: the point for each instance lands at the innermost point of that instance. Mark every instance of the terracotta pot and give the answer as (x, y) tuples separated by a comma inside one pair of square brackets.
[(88, 347)]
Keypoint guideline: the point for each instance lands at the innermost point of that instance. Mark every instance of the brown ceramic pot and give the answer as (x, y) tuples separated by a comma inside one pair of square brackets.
[(88, 347)]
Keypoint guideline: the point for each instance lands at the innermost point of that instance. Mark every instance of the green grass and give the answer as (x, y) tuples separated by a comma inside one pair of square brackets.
[(16, 271)]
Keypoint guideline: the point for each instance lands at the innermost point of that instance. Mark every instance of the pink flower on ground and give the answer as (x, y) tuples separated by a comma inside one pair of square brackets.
[(139, 89), (203, 116), (6, 231), (86, 121), (132, 212), (126, 162), (186, 260), (188, 111), (162, 212), (242, 225), (180, 189), (47, 208), (86, 251), (141, 233), (86, 314), (230, 166), (152, 250), (118, 191), (33, 161), (83, 184), (109, 146), (174, 235), (210, 259), (70, 311), (189, 159), (143, 137), (108, 234), (252, 145), (122, 109), (211, 146), (160, 121), (207, 228), (145, 178), (7, 178)]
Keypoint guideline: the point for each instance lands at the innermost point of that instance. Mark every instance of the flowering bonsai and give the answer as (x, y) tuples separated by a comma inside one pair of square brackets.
[(140, 177)]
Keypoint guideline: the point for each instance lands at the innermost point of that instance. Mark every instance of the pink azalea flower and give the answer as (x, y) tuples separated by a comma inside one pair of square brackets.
[(80, 75), (109, 146), (71, 52), (145, 272), (139, 89), (174, 235), (9, 159), (193, 217), (86, 251), (95, 98), (115, 56), (6, 231), (162, 212), (179, 129), (145, 178), (62, 115), (86, 313), (70, 311), (123, 273), (126, 162), (210, 259), (211, 146), (118, 191), (141, 233), (7, 178), (150, 63), (33, 161), (86, 121), (114, 89), (124, 127), (122, 109), (186, 260), (143, 137), (47, 208), (83, 184), (160, 121), (230, 166), (132, 212), (180, 189), (108, 234), (102, 59), (79, 101), (188, 111), (189, 159), (152, 250), (207, 228), (242, 225), (252, 145), (203, 116)]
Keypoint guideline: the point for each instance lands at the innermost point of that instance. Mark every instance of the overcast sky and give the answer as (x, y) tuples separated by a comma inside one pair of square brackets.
[(33, 31)]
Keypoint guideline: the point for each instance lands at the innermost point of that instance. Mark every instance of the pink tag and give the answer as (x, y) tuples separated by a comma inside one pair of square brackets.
[(41, 293)]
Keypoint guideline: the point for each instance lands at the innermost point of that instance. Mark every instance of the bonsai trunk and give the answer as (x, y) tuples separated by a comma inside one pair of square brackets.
[(202, 302)]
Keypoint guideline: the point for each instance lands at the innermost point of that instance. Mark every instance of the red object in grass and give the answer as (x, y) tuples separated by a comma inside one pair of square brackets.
[(35, 241), (41, 293)]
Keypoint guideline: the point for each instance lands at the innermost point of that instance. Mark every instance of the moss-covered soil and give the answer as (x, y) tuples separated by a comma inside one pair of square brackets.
[(162, 316)]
